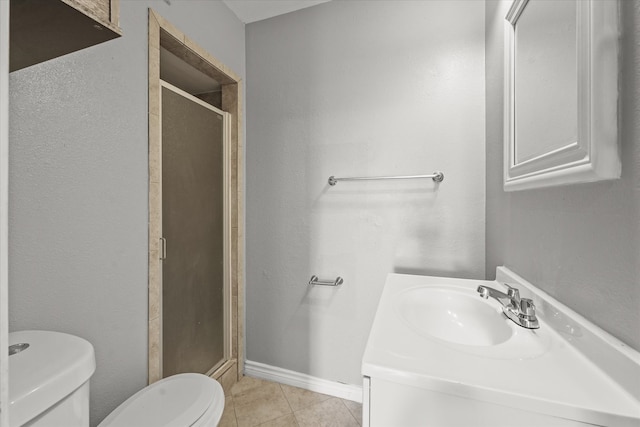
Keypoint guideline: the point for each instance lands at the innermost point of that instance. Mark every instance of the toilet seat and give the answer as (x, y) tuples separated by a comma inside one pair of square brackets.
[(183, 400)]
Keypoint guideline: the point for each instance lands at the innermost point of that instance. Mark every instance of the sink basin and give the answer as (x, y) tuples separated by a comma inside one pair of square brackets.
[(458, 361), (455, 315)]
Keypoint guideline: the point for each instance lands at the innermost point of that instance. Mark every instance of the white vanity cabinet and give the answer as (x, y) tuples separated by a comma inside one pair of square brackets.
[(392, 404)]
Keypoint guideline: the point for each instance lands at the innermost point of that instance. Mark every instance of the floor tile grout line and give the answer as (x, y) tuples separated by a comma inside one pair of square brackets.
[(309, 405), (296, 421), (349, 411), (285, 397), (235, 415), (295, 417)]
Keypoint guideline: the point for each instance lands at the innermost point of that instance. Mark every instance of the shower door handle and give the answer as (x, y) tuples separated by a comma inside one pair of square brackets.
[(163, 248)]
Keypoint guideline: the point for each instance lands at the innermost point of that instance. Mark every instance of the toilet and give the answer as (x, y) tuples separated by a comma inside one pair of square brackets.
[(49, 376)]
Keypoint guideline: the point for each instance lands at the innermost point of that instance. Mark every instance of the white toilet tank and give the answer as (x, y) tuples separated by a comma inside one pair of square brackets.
[(49, 376)]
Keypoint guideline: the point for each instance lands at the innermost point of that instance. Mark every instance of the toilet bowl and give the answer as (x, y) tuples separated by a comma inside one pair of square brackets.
[(182, 400), (49, 376)]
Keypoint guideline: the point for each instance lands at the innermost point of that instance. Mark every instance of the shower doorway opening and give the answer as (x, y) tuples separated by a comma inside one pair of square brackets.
[(186, 79)]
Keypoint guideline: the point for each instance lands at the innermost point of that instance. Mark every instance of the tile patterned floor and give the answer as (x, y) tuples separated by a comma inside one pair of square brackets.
[(253, 402)]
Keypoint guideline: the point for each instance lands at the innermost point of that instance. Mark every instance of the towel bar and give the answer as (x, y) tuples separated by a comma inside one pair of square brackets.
[(315, 281), (436, 176)]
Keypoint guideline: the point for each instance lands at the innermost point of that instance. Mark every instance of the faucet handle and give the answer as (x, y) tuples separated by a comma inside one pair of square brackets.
[(512, 292), (527, 308)]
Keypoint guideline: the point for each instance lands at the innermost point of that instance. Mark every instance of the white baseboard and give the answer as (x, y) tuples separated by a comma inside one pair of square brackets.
[(307, 382)]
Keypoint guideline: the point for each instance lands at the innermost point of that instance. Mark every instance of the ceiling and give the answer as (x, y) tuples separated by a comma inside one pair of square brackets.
[(256, 10), (177, 72)]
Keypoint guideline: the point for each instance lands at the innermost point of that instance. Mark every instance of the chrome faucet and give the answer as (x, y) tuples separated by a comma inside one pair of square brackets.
[(520, 310)]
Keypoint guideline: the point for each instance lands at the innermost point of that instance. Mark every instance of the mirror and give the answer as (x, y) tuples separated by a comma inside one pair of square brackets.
[(559, 56), (546, 101)]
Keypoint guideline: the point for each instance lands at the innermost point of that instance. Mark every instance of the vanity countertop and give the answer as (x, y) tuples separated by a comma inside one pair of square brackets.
[(539, 370)]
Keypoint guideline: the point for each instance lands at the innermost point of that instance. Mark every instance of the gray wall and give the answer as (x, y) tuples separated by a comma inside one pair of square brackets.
[(78, 190), (580, 243), (352, 88)]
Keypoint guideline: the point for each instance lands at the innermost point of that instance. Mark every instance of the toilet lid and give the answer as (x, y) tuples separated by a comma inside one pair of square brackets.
[(176, 401)]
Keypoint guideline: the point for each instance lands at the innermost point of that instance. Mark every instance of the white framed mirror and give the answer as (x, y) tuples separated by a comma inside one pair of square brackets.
[(561, 93)]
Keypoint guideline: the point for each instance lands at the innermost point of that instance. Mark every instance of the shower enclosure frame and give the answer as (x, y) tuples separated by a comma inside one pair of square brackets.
[(164, 34), (226, 228)]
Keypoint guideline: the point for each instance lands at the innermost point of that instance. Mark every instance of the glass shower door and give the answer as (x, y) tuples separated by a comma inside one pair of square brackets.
[(194, 320)]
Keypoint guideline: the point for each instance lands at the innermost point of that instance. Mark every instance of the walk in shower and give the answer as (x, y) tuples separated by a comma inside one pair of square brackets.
[(195, 234)]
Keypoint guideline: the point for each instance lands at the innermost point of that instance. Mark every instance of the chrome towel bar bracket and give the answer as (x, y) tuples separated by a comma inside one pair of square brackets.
[(315, 281), (436, 176)]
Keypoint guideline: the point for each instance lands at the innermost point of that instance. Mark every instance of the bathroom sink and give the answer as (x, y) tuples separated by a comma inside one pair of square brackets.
[(456, 315), (437, 342), (456, 358)]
